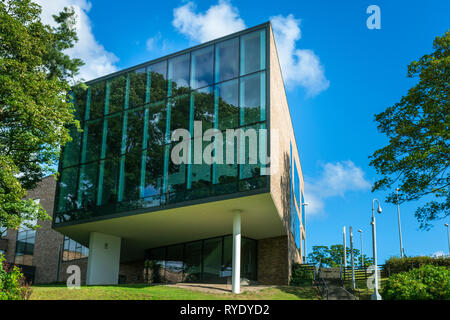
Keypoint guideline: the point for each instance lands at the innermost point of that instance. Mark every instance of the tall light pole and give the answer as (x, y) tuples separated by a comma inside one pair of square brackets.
[(399, 225), (362, 254), (448, 238), (305, 204), (345, 249), (375, 295)]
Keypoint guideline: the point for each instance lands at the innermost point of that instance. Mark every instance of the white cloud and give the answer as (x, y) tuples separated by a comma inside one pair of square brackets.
[(152, 42), (219, 20), (335, 180), (438, 254), (299, 66), (98, 61)]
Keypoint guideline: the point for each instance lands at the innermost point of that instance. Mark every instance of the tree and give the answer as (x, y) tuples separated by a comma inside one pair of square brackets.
[(34, 106), (333, 256), (418, 154)]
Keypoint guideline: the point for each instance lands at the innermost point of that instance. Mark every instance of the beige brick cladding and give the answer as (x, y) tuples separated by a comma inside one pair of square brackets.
[(273, 265)]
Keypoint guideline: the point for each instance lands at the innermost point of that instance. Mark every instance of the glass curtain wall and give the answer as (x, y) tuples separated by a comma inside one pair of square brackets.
[(122, 159), (208, 260)]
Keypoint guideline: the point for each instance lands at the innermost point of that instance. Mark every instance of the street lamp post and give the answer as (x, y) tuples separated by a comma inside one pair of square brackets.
[(305, 204), (448, 238), (362, 254), (375, 295), (399, 225)]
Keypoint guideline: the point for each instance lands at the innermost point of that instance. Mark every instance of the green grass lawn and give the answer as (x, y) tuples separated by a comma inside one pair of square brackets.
[(161, 292)]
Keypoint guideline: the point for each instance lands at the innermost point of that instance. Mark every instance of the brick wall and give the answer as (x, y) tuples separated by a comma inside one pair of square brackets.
[(273, 262)]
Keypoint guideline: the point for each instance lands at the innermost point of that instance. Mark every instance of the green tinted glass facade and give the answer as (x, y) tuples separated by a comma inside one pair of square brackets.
[(208, 260), (122, 159)]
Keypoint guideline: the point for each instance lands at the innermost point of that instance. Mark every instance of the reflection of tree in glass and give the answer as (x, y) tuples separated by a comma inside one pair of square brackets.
[(97, 104), (158, 88), (117, 88), (135, 127), (137, 90), (79, 100)]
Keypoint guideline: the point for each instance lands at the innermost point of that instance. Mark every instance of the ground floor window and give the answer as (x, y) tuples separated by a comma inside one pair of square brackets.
[(208, 260)]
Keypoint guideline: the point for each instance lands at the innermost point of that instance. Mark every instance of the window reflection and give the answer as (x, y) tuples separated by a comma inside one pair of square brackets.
[(253, 54), (137, 92), (252, 98), (179, 75), (228, 107), (97, 100), (117, 88), (202, 67), (158, 80), (227, 64)]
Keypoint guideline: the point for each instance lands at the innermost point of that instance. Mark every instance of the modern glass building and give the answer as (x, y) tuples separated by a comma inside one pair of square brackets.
[(122, 194)]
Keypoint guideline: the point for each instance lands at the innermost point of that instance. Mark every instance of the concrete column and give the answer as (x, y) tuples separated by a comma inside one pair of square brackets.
[(236, 275), (104, 259)]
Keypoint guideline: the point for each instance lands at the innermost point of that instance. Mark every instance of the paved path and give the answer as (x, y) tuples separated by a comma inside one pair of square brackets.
[(337, 292)]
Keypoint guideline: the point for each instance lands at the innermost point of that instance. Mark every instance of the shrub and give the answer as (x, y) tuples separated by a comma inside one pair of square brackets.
[(301, 275), (425, 283), (12, 282), (395, 265)]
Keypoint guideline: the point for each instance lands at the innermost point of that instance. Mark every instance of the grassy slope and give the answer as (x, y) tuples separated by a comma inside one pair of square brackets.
[(142, 292)]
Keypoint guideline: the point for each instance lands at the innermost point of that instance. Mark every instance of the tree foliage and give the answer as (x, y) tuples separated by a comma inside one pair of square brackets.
[(34, 109), (333, 256), (417, 157), (425, 283)]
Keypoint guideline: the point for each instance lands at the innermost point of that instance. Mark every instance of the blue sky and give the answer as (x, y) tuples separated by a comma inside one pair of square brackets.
[(338, 74)]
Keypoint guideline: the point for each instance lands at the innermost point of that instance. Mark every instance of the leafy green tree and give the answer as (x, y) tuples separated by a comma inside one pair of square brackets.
[(34, 109), (417, 157), (333, 256)]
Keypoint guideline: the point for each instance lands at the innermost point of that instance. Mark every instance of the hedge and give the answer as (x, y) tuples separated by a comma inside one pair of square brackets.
[(395, 265)]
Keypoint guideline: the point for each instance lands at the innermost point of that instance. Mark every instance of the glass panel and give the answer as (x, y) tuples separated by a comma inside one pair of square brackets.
[(250, 170), (226, 174), (93, 130), (110, 181), (193, 261), (179, 75), (227, 97), (227, 265), (174, 264), (88, 184), (248, 259), (159, 256), (67, 197), (138, 80), (79, 101), (227, 56), (117, 93), (97, 105), (113, 135), (158, 76), (202, 67), (157, 125), (132, 175), (71, 152), (253, 52), (201, 178), (176, 180), (212, 260), (252, 99), (203, 100), (180, 113), (153, 171), (135, 127)]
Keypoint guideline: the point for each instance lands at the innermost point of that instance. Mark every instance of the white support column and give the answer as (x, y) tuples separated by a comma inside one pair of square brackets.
[(104, 259), (236, 275)]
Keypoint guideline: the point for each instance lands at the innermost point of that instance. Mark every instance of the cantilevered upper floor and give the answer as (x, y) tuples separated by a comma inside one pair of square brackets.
[(120, 171)]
